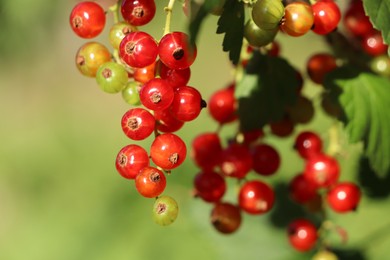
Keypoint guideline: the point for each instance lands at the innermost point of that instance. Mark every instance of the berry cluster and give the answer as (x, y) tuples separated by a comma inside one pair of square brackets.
[(319, 181), (148, 72)]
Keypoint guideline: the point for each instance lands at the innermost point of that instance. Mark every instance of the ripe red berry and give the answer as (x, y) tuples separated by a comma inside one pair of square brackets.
[(344, 197), (283, 128), (168, 151), (175, 50), (130, 160), (138, 49), (319, 65), (222, 105), (206, 150), (138, 12), (301, 190), (322, 170), (166, 122), (150, 182), (175, 78), (327, 16), (256, 197), (266, 159), (145, 74), (138, 123), (356, 21), (209, 186), (373, 44), (226, 217), (156, 94), (236, 161), (87, 19), (308, 144), (186, 104), (302, 234)]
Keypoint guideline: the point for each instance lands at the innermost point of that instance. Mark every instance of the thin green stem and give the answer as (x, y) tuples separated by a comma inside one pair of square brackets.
[(168, 9), (114, 9)]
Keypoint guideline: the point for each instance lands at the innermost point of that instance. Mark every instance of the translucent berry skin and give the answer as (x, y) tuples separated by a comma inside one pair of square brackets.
[(258, 37), (301, 190), (327, 16), (267, 14), (308, 144), (373, 44), (266, 159), (302, 234), (130, 93), (118, 31), (90, 57), (256, 197), (112, 77), (138, 12), (175, 51), (150, 182), (138, 49), (320, 64), (209, 186), (145, 74), (226, 217), (138, 123), (356, 21), (87, 19), (168, 151), (236, 161), (206, 150), (156, 94), (166, 122), (130, 160), (175, 78), (344, 197), (222, 105), (186, 104), (165, 210), (298, 19), (322, 170)]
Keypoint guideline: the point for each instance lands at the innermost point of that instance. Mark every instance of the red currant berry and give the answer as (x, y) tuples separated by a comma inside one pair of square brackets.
[(322, 170), (327, 16), (319, 65), (209, 186), (166, 122), (302, 234), (168, 151), (138, 12), (266, 159), (301, 190), (298, 19), (175, 51), (90, 57), (373, 44), (165, 210), (256, 197), (236, 161), (206, 150), (138, 49), (356, 21), (252, 136), (226, 217), (138, 123), (150, 182), (186, 104), (344, 197), (130, 160), (175, 78), (282, 128), (118, 31), (156, 94), (308, 144), (145, 74), (87, 19), (222, 105)]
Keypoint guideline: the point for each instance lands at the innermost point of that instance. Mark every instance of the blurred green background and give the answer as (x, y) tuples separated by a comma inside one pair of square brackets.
[(60, 195)]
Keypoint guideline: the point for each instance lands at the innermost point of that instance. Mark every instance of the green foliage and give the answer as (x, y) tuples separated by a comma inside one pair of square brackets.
[(379, 13), (365, 101), (231, 23), (267, 87)]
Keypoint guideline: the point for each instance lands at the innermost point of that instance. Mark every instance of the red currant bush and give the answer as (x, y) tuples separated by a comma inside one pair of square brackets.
[(150, 182), (138, 123), (322, 170), (156, 94), (168, 151), (138, 12), (87, 19), (344, 197), (308, 144), (130, 160), (266, 159), (327, 16), (302, 234), (222, 105), (256, 197)]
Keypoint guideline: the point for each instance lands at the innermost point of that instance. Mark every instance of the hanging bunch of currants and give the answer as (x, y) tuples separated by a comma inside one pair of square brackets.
[(264, 98)]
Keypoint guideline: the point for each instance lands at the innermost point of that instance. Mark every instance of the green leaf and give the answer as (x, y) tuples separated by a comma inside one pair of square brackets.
[(231, 22), (198, 13), (365, 101), (267, 87), (379, 13)]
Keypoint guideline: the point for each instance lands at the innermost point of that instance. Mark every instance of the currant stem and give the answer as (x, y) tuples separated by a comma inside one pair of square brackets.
[(115, 11), (168, 9), (334, 147)]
